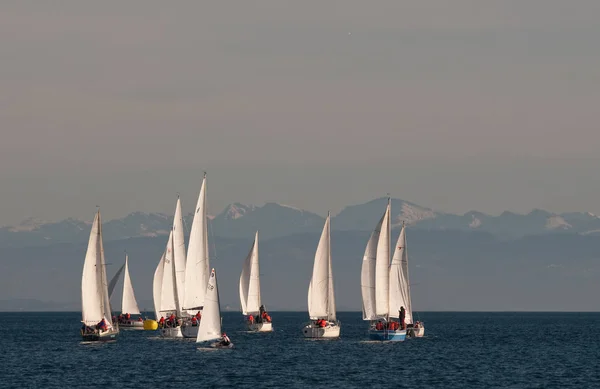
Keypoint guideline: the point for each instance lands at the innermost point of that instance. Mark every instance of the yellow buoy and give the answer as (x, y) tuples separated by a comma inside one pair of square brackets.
[(150, 324)]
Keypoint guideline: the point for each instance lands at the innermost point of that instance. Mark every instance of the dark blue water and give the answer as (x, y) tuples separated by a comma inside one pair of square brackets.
[(460, 350)]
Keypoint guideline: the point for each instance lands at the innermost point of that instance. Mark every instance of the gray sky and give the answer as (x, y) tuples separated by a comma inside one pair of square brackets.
[(454, 105)]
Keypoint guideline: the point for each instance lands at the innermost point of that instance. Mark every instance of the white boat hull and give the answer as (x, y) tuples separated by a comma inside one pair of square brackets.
[(132, 325), (189, 331), (171, 332), (415, 332), (329, 331), (260, 327)]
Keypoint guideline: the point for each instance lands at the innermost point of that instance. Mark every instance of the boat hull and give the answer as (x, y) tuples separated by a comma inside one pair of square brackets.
[(418, 332), (132, 325), (260, 327), (100, 337), (329, 331), (171, 332), (387, 335), (189, 331), (219, 345)]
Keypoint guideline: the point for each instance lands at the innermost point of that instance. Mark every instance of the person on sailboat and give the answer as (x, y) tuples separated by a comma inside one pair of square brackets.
[(250, 319), (102, 325), (161, 322), (172, 321), (225, 341), (264, 316), (194, 321), (402, 314)]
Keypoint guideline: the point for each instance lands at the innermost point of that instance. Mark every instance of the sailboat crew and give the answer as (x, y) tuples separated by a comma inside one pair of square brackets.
[(101, 325), (225, 341), (402, 314), (263, 316)]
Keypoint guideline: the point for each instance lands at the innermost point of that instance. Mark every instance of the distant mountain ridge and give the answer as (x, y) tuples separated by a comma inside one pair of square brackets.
[(449, 269), (277, 220)]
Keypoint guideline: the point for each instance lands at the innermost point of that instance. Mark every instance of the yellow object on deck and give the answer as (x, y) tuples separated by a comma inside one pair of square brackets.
[(150, 325)]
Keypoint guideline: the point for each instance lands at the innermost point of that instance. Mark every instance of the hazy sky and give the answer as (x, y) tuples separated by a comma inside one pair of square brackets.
[(455, 105)]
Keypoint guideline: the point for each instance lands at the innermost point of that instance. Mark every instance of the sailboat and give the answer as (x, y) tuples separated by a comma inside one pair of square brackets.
[(257, 317), (378, 288), (210, 325), (321, 298), (95, 304), (196, 268), (400, 287), (168, 308), (129, 304)]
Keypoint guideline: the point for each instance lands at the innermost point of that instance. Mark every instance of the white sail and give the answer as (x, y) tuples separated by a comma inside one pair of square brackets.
[(367, 274), (103, 278), (91, 300), (397, 283), (168, 295), (157, 286), (95, 305), (113, 281), (403, 254), (179, 253), (210, 325), (129, 304), (318, 289), (197, 265), (250, 282), (382, 267)]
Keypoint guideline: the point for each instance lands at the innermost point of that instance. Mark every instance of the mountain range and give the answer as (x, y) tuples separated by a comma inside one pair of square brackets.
[(449, 270), (277, 220)]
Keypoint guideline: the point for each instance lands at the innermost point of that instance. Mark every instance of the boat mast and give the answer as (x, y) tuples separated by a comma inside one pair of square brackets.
[(329, 280), (408, 300), (389, 226)]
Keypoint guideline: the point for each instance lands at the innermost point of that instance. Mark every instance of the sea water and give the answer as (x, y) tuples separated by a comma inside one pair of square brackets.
[(459, 350)]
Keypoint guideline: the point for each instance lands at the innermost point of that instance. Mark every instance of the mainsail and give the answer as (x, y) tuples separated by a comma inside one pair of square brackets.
[(169, 301), (179, 253), (382, 267), (321, 299), (367, 274), (403, 254), (397, 283), (210, 325), (129, 304), (250, 282), (197, 265), (95, 304)]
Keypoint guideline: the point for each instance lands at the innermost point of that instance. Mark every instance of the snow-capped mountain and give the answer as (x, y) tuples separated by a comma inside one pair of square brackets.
[(272, 220), (276, 220)]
